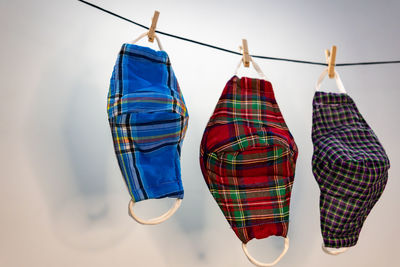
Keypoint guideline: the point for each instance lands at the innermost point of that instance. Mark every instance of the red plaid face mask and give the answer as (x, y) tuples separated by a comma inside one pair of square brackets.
[(248, 159)]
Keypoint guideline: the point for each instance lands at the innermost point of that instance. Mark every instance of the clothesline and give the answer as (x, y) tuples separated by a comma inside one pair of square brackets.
[(234, 52)]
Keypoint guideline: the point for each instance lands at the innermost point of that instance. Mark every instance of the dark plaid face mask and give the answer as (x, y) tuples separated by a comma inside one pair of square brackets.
[(248, 158), (349, 164)]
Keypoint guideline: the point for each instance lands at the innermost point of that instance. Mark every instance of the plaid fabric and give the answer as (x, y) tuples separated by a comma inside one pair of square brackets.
[(350, 166), (248, 158), (148, 120)]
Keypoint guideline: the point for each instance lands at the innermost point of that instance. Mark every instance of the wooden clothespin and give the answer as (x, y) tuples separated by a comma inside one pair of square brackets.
[(153, 26), (330, 60), (246, 56)]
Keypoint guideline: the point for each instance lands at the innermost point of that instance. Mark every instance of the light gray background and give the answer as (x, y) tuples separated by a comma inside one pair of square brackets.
[(62, 197)]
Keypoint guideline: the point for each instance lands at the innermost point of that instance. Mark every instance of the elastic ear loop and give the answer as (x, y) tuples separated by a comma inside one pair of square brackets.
[(255, 65), (337, 78), (145, 34), (333, 252), (260, 264), (157, 220)]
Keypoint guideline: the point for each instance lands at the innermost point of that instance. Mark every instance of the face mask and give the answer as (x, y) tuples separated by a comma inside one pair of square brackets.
[(349, 164), (248, 158), (148, 120)]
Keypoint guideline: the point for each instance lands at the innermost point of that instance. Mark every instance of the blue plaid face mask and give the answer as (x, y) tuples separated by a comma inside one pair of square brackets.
[(148, 120)]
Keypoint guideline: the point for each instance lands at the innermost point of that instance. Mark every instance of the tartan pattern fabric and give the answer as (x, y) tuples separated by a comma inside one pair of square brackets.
[(248, 157), (350, 166), (148, 120)]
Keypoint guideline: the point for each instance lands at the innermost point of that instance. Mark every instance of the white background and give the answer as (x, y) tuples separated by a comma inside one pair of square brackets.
[(62, 198)]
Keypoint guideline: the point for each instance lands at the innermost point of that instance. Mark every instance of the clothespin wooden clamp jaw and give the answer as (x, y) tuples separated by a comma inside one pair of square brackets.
[(245, 50), (152, 29), (330, 60)]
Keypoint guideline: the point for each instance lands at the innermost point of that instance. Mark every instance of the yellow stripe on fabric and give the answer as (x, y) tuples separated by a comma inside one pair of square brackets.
[(260, 190), (124, 167), (108, 99), (252, 161), (246, 138), (239, 115), (157, 136), (141, 100), (126, 139), (259, 217), (258, 101), (255, 204), (181, 105), (276, 181), (237, 196)]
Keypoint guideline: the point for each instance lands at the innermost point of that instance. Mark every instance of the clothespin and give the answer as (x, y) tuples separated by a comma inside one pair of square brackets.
[(330, 60), (153, 26), (246, 56)]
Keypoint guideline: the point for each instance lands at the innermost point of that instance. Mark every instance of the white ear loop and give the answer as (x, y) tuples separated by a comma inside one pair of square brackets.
[(333, 252), (255, 65), (261, 264), (157, 220), (337, 78), (145, 34)]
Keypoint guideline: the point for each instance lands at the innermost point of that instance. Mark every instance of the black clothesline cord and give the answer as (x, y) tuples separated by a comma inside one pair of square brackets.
[(237, 53)]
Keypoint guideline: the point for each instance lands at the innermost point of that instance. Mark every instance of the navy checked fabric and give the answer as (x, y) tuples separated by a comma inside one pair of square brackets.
[(350, 166)]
